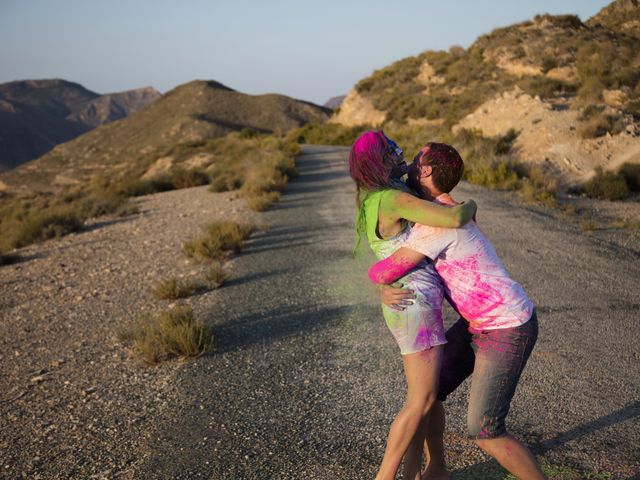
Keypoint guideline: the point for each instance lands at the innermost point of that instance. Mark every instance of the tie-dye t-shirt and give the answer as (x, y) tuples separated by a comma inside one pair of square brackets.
[(475, 281)]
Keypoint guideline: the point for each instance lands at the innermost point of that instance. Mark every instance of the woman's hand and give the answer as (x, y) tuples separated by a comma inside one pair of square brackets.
[(396, 297)]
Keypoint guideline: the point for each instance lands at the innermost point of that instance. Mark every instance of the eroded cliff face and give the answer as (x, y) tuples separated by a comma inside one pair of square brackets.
[(549, 133), (358, 110)]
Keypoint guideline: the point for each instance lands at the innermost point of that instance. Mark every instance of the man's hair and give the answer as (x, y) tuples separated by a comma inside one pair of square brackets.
[(446, 163)]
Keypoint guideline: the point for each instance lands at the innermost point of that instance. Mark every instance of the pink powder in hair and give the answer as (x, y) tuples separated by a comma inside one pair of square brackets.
[(366, 161)]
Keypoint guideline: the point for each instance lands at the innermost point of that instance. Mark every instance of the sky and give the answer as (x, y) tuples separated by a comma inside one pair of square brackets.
[(311, 50)]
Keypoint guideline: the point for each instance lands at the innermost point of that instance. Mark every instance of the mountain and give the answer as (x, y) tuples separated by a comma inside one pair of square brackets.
[(189, 114), (581, 79), (335, 102), (621, 16), (36, 115)]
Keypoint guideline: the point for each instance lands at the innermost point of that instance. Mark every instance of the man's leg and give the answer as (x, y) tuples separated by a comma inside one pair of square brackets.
[(513, 455), (501, 355)]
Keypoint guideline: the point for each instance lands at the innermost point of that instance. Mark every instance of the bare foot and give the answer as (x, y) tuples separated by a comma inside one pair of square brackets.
[(435, 474)]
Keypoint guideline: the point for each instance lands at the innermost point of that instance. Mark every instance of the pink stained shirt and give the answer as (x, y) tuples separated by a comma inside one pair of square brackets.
[(475, 281)]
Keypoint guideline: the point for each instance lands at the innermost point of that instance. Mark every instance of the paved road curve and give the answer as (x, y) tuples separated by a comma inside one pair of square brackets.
[(306, 378)]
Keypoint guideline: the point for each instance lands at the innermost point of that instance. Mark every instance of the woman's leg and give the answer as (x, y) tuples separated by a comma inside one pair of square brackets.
[(434, 445), (421, 370)]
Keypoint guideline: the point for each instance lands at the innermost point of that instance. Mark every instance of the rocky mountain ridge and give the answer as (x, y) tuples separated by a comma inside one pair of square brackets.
[(582, 77), (188, 115), (36, 115)]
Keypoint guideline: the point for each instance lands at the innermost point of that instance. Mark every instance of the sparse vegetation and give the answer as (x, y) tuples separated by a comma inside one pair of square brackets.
[(327, 134), (257, 164), (221, 238), (606, 186), (588, 224), (42, 226), (174, 288), (172, 333), (215, 275)]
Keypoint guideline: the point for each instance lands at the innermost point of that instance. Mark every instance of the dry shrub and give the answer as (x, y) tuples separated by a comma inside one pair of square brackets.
[(260, 202), (599, 125), (221, 238), (49, 224), (606, 186), (215, 275), (500, 175), (172, 333), (174, 288), (588, 224)]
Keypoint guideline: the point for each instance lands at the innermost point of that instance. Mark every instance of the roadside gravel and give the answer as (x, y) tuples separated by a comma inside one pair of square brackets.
[(305, 378)]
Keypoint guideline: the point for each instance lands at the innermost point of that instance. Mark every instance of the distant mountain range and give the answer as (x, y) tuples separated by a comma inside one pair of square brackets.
[(335, 102), (190, 113), (36, 115)]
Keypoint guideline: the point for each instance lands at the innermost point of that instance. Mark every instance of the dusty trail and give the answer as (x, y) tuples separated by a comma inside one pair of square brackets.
[(305, 378)]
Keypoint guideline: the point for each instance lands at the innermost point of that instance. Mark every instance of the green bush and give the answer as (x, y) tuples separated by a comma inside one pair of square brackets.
[(327, 134), (180, 177), (42, 226), (606, 186), (545, 87)]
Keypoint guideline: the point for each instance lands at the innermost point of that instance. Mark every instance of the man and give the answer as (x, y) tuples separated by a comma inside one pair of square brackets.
[(495, 334)]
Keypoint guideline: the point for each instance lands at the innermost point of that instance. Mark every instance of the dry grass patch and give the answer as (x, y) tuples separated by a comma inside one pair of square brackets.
[(172, 333), (606, 186), (215, 275), (588, 224), (49, 224), (221, 238), (174, 288)]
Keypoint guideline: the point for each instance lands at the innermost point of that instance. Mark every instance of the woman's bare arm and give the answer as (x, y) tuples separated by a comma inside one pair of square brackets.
[(399, 205)]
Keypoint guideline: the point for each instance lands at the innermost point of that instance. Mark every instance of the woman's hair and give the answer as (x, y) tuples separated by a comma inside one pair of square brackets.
[(369, 170), (367, 165)]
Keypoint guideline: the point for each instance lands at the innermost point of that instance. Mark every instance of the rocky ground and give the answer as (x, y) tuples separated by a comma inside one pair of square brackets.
[(305, 378)]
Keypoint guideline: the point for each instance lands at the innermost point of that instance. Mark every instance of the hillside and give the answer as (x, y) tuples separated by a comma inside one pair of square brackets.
[(582, 76), (188, 115), (36, 115)]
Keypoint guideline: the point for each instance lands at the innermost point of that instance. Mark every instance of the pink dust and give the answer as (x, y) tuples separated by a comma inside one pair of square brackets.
[(366, 161), (480, 299), (390, 269)]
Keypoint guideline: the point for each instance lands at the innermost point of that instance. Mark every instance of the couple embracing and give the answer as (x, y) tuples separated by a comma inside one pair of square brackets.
[(433, 246)]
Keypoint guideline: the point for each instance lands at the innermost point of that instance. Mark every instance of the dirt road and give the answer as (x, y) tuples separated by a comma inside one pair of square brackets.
[(305, 378)]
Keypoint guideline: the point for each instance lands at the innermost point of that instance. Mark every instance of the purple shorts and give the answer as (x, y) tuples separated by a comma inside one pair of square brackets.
[(494, 359)]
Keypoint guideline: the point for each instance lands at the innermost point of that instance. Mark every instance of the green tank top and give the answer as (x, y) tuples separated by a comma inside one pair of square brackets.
[(382, 248)]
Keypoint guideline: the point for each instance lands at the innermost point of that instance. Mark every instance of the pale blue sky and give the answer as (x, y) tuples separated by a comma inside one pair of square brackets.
[(306, 49)]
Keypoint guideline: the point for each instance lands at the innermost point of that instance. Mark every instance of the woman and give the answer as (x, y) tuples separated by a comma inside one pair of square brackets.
[(375, 162)]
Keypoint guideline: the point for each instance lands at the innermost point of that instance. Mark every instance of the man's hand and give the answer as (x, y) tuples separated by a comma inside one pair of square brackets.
[(396, 297)]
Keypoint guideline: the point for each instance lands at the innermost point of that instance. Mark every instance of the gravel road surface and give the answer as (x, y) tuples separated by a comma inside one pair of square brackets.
[(305, 378)]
